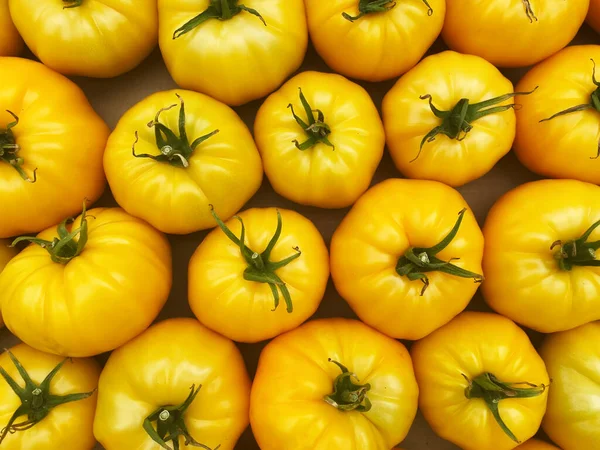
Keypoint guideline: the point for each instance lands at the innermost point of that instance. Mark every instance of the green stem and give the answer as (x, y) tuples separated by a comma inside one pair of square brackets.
[(72, 3), (316, 129), (529, 11), (417, 261), (260, 267), (347, 394), (493, 391), (65, 247), (36, 400), (9, 150), (174, 150), (577, 252), (217, 9), (458, 122), (378, 6)]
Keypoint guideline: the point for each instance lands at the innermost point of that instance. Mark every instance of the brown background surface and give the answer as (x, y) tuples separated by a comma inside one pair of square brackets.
[(111, 98)]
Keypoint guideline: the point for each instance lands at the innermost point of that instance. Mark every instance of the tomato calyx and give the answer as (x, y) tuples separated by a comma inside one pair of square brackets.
[(593, 104), (316, 129), (377, 6), (63, 248), (489, 388), (260, 268), (348, 395), (72, 3), (174, 150), (170, 424), (217, 9), (9, 150), (417, 261), (529, 11), (458, 122), (578, 252), (36, 400)]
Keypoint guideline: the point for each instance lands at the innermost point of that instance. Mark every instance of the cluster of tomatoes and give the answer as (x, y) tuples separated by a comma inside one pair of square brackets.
[(408, 257)]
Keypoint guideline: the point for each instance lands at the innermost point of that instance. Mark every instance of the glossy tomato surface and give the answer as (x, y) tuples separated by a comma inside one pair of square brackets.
[(536, 444), (6, 254)]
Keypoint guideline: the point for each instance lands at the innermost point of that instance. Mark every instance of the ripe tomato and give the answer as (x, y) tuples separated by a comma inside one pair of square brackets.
[(483, 386), (237, 273), (374, 40), (450, 118), (6, 254), (231, 50), (512, 33), (99, 38), (540, 255), (321, 140), (11, 43), (177, 383), (536, 444), (333, 384), (406, 263), (87, 287), (186, 156), (573, 416), (46, 402), (51, 145), (558, 127), (593, 17)]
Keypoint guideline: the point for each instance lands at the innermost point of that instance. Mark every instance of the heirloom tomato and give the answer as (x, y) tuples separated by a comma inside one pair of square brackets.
[(374, 40), (333, 384), (536, 444), (176, 384), (6, 254), (593, 17), (558, 127), (573, 362), (321, 140), (177, 152), (482, 384), (88, 285), (241, 270), (232, 50), (11, 43), (450, 119), (46, 402), (51, 146), (93, 38), (407, 257), (540, 259), (512, 33)]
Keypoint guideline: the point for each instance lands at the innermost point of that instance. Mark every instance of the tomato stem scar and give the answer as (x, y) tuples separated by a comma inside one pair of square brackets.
[(316, 129), (9, 150), (577, 252), (348, 395), (377, 6), (72, 3)]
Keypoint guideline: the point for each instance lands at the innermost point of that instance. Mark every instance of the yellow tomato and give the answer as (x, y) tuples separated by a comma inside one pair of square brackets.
[(483, 386), (512, 33), (6, 254), (333, 384), (93, 38), (593, 17), (234, 51), (51, 145), (374, 40), (536, 444), (449, 119), (241, 269), (406, 256), (189, 152), (11, 43), (88, 287), (53, 407), (176, 379), (558, 127), (540, 255), (321, 140), (573, 362)]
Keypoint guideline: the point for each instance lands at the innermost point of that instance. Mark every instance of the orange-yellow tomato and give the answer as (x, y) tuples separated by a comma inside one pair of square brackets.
[(6, 254), (237, 280), (58, 397), (51, 135), (325, 150), (333, 384), (553, 139), (374, 40), (233, 50), (482, 384), (593, 17), (11, 43), (387, 263), (176, 379), (93, 285), (512, 33), (178, 170), (540, 258), (449, 119), (93, 38), (536, 444)]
